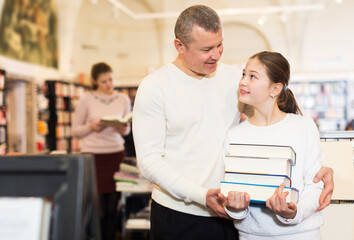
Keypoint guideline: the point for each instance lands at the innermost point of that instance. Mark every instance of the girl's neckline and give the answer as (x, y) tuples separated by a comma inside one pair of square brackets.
[(280, 122)]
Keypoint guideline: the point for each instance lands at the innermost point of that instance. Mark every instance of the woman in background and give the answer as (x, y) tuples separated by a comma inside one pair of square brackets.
[(104, 142)]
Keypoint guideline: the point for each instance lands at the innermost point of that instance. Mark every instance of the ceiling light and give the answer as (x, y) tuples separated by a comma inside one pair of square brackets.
[(115, 13), (262, 20), (284, 17)]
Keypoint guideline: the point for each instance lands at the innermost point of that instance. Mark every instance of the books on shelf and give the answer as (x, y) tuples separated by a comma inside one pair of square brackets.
[(263, 151), (264, 179), (258, 193), (114, 121), (259, 170), (2, 80), (275, 166)]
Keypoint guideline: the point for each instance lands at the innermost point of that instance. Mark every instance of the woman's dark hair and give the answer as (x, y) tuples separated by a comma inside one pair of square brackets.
[(98, 69), (278, 71)]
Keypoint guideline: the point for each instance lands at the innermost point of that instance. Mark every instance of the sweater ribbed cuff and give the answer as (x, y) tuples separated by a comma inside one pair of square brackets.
[(240, 215), (295, 220), (197, 194)]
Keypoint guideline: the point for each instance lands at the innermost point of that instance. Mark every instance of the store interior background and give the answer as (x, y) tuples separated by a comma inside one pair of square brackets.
[(136, 37)]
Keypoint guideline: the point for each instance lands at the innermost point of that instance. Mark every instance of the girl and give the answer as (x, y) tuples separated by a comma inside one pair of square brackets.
[(277, 120)]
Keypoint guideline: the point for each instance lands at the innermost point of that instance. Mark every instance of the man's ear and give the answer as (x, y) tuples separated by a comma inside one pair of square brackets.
[(179, 46), (277, 88)]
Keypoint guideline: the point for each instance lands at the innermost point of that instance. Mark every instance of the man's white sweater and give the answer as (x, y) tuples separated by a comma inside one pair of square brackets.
[(179, 127)]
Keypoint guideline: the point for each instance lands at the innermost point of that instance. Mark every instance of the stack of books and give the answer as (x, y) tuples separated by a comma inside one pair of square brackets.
[(259, 170), (129, 179)]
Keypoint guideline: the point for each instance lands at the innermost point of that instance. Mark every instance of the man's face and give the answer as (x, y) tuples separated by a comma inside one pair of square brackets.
[(203, 52)]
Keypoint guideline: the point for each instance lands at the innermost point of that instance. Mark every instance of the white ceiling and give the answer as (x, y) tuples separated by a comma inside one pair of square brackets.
[(158, 9)]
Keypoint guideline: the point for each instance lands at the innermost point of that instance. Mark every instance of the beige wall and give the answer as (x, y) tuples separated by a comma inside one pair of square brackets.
[(312, 41)]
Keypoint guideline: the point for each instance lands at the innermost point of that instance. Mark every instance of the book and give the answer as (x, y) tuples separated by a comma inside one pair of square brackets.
[(125, 177), (143, 186), (264, 179), (257, 165), (124, 167), (262, 151), (138, 223), (258, 193), (114, 121)]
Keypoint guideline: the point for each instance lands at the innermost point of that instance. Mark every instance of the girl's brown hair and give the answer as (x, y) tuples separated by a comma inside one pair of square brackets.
[(278, 71)]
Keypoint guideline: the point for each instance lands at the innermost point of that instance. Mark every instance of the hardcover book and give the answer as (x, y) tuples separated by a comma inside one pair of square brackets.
[(274, 166), (264, 179), (262, 151), (258, 193)]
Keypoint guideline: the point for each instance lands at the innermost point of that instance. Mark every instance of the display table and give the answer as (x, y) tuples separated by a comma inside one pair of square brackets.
[(143, 189)]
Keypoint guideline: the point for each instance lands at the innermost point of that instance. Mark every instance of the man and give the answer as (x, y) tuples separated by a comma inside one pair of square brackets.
[(181, 116)]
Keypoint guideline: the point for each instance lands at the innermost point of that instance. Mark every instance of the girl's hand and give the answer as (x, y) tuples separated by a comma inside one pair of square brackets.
[(236, 201), (277, 203), (97, 126)]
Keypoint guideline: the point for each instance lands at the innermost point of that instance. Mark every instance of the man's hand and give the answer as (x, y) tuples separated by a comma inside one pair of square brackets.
[(214, 203), (326, 175)]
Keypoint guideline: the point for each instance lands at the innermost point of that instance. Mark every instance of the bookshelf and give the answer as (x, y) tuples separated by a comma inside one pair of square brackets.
[(130, 91), (3, 120), (77, 91), (62, 100), (42, 119), (325, 102)]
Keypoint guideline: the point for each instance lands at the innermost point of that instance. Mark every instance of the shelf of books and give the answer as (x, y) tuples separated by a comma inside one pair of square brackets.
[(130, 182), (129, 142), (42, 119), (325, 102), (77, 91), (62, 100), (3, 120), (129, 91)]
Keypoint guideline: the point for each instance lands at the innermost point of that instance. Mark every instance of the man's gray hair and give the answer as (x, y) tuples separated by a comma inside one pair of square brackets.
[(200, 15)]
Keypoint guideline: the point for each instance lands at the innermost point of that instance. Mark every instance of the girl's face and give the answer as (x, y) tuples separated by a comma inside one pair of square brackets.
[(255, 87), (105, 83)]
